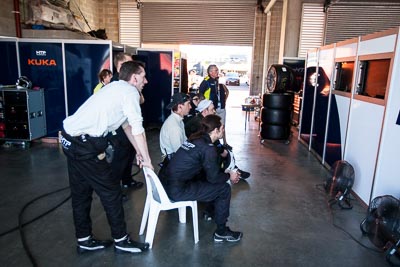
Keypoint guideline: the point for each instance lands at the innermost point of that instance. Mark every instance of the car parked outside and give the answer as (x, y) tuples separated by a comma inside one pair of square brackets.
[(232, 78)]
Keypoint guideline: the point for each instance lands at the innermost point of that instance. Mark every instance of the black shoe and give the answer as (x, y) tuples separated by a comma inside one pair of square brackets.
[(227, 236), (133, 184), (92, 245), (207, 216), (129, 246), (243, 174)]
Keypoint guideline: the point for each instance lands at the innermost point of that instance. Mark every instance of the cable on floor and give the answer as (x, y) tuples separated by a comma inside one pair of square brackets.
[(39, 216), (20, 218), (350, 235), (331, 210), (22, 224)]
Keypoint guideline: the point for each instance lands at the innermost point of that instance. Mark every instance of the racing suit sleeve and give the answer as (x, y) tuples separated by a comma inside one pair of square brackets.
[(213, 171)]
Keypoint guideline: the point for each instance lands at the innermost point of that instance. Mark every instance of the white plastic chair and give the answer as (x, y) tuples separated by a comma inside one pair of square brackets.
[(156, 201)]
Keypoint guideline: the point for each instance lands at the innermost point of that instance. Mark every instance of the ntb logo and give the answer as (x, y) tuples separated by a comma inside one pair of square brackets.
[(41, 53)]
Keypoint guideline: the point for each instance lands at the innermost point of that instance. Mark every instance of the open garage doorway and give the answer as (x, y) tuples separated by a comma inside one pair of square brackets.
[(234, 63)]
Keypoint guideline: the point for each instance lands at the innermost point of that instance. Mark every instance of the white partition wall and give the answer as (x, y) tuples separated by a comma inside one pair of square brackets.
[(374, 58), (387, 178), (363, 115), (341, 93), (363, 136)]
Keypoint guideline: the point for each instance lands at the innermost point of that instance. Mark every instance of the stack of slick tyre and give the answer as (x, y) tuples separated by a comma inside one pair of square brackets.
[(276, 116)]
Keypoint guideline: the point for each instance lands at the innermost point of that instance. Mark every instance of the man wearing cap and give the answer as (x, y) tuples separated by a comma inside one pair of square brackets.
[(205, 108), (172, 134)]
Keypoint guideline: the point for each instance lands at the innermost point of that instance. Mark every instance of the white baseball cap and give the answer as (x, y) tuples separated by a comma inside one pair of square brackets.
[(205, 103)]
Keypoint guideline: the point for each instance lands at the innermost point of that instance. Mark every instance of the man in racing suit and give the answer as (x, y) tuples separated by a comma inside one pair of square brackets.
[(198, 156), (205, 108)]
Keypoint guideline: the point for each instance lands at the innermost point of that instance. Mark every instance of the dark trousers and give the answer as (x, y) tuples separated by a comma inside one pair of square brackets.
[(218, 194), (124, 155), (88, 174)]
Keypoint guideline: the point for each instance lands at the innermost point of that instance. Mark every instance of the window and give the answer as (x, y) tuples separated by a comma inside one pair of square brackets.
[(373, 76), (344, 76)]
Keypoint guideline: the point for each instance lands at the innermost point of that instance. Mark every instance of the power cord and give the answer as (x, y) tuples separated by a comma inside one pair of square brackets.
[(39, 216), (350, 235), (331, 210), (22, 224), (52, 209)]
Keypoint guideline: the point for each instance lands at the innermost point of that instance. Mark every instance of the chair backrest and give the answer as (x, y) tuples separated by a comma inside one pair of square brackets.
[(156, 188)]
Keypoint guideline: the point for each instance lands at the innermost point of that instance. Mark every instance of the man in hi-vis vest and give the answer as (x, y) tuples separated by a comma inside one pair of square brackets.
[(211, 90)]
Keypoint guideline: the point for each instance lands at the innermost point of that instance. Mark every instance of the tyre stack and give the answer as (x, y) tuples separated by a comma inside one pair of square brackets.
[(276, 116), (276, 113)]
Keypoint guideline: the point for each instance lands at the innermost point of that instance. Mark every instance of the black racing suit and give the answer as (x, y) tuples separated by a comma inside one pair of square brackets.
[(194, 125), (180, 178)]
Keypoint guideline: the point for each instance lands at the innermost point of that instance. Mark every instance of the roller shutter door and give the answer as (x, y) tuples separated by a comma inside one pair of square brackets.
[(129, 23), (351, 19), (211, 23), (311, 28)]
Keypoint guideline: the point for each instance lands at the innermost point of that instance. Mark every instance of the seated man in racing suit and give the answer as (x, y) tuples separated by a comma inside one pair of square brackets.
[(205, 108), (198, 156)]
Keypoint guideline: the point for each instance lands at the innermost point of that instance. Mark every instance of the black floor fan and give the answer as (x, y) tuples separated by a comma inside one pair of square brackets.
[(339, 185), (382, 226)]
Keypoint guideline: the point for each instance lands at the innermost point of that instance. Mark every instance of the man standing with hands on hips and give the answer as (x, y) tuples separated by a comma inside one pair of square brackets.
[(85, 139)]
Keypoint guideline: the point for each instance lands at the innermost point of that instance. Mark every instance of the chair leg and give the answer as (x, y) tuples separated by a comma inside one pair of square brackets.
[(182, 214), (195, 222), (145, 216), (152, 223)]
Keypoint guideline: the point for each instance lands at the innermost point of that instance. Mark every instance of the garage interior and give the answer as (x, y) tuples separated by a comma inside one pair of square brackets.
[(282, 209)]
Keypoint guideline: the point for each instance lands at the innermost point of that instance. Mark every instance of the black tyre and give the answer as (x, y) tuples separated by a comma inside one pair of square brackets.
[(274, 132), (280, 78), (278, 101), (276, 116)]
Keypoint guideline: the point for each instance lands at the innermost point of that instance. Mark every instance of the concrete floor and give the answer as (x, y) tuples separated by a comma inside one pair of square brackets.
[(281, 209)]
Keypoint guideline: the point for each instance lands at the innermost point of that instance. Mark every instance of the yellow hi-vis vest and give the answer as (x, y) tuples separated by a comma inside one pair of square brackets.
[(208, 91)]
